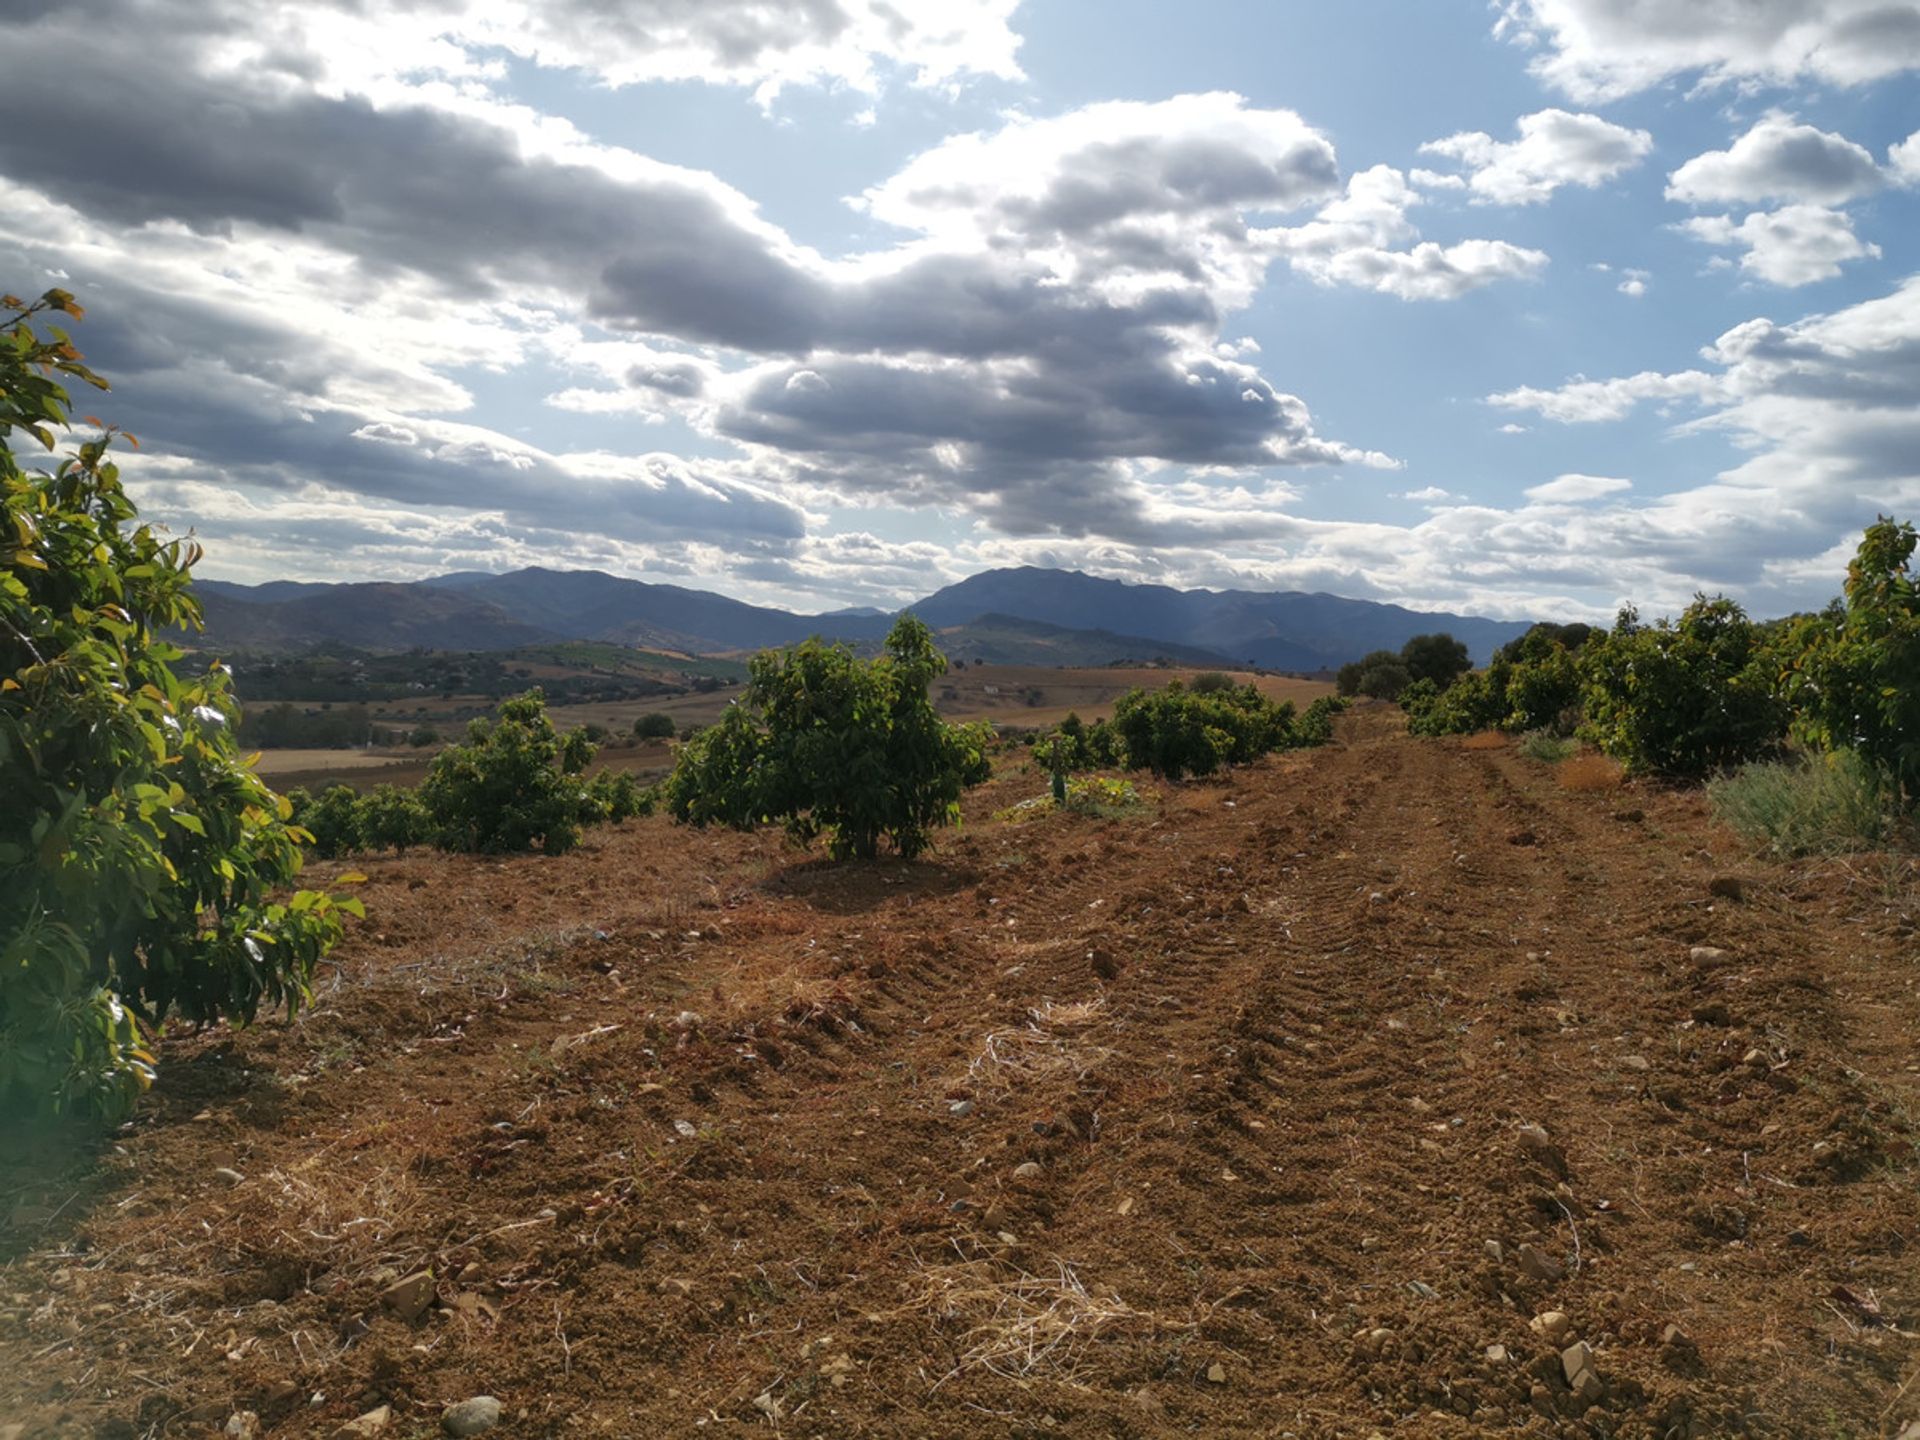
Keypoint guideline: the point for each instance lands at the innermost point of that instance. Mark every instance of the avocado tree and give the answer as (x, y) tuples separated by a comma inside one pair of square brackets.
[(515, 783), (1682, 698), (831, 744), (1856, 676), (142, 862)]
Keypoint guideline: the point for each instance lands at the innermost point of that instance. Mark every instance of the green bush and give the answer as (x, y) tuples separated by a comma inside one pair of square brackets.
[(1210, 682), (654, 725), (1856, 678), (1684, 698), (388, 817), (614, 795), (1174, 732), (1546, 747), (138, 851), (331, 820), (514, 784), (828, 743), (1806, 806)]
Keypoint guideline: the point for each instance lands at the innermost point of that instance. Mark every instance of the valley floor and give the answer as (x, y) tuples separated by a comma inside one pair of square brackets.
[(1269, 1113)]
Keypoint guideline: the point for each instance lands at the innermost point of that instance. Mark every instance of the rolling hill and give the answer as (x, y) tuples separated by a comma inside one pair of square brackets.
[(1017, 616)]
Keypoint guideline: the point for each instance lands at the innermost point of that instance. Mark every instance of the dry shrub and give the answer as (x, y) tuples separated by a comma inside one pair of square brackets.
[(1485, 740), (1590, 771)]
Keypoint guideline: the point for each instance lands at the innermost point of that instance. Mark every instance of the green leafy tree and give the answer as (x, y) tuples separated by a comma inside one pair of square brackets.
[(514, 784), (1174, 732), (1684, 698), (389, 817), (1856, 676), (831, 744), (1438, 657), (330, 819), (655, 725), (139, 854)]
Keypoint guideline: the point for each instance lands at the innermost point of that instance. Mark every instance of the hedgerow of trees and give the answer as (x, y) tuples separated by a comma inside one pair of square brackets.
[(827, 743), (1713, 689), (1385, 674), (143, 865)]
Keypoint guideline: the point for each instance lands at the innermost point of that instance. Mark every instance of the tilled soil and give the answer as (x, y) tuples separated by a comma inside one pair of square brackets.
[(1287, 1108)]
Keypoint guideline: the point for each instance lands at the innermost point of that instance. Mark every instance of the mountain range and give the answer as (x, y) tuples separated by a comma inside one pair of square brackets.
[(1023, 615)]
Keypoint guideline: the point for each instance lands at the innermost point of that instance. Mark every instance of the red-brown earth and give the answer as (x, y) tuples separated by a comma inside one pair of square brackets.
[(1268, 1112)]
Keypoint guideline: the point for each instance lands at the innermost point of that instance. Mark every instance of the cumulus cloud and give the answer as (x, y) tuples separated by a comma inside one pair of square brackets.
[(1583, 401), (1827, 413), (1795, 245), (1426, 494), (1903, 160), (1779, 159), (1555, 148), (1365, 240), (1594, 50), (1577, 489)]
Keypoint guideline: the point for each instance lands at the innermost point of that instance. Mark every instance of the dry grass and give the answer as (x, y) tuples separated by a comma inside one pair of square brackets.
[(1485, 740), (1021, 1056), (1024, 1326), (1590, 771)]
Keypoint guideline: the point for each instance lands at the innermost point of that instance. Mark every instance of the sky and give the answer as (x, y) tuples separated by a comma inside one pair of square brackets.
[(1528, 309)]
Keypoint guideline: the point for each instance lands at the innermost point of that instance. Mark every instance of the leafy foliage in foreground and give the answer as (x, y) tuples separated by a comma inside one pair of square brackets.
[(831, 744), (139, 855)]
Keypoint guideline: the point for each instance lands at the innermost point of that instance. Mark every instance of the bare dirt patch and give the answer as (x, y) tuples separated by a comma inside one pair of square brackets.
[(1311, 1104)]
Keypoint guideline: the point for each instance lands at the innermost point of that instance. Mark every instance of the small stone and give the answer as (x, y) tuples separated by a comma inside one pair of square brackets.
[(766, 1404), (1541, 1398), (1707, 955), (1727, 887), (1496, 1252), (409, 1298), (1536, 1264), (1217, 1373), (1755, 1056), (1378, 1344), (1552, 1326), (1028, 1170), (1575, 1361), (371, 1423), (960, 1107), (686, 1128), (1497, 1354), (1523, 837), (229, 1177), (471, 1417), (242, 1425)]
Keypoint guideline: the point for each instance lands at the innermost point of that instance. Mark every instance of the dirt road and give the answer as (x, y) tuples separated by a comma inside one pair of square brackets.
[(1388, 1089)]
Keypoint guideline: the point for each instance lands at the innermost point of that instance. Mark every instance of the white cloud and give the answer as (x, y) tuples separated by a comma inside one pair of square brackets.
[(1634, 285), (1795, 245), (1364, 239), (1595, 50), (1577, 489), (1427, 494), (1582, 401), (1512, 429), (1903, 160), (1778, 159), (1555, 148), (1827, 414)]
